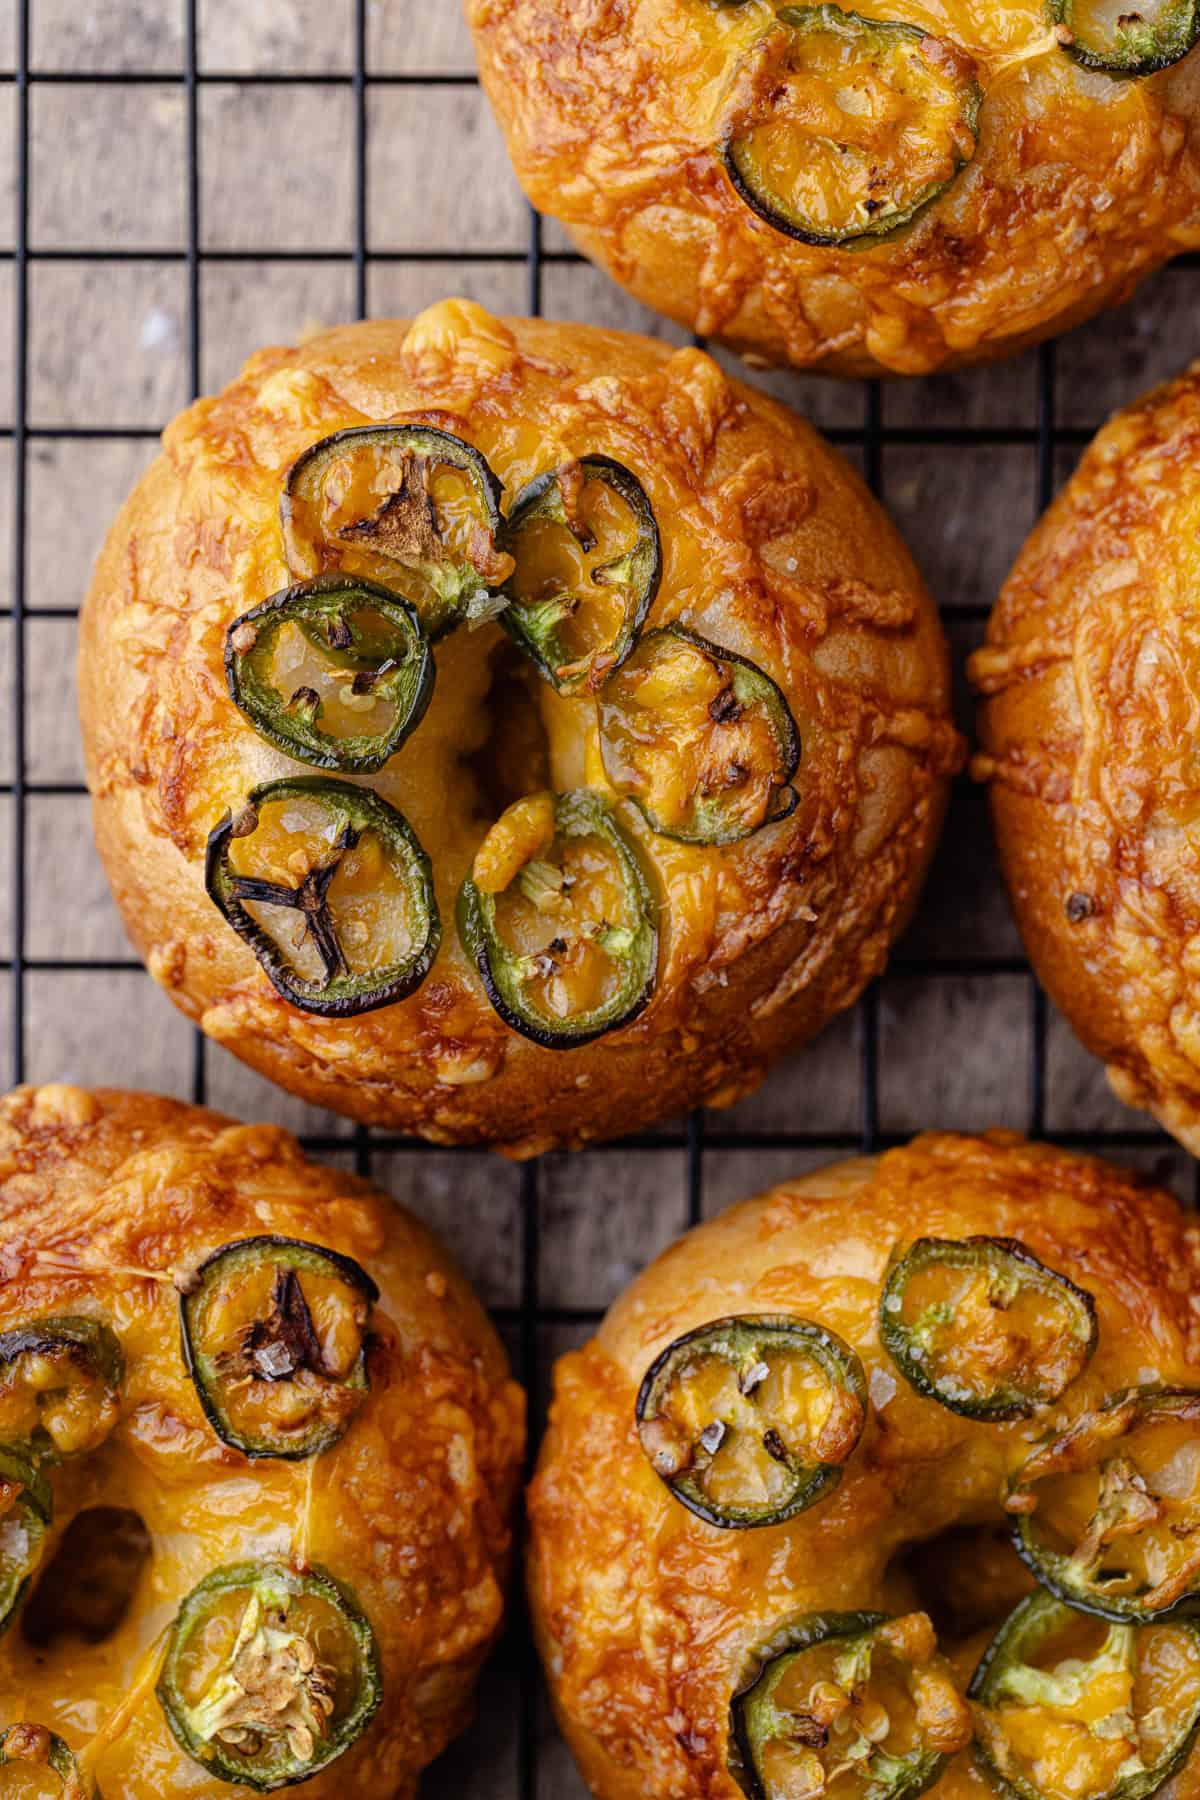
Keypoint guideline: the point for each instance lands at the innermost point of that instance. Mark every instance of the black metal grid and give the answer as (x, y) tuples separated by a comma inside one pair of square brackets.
[(870, 438)]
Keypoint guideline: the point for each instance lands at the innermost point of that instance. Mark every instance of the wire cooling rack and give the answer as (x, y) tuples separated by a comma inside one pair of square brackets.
[(1025, 424)]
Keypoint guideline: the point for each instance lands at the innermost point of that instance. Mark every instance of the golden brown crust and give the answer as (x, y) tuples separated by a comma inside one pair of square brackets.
[(1080, 184), (104, 1197), (1090, 680), (772, 547), (647, 1617)]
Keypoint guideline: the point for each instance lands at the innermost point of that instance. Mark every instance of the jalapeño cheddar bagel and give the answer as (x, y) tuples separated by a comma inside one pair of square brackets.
[(258, 1451), (506, 731), (887, 1480), (1090, 678), (892, 186)]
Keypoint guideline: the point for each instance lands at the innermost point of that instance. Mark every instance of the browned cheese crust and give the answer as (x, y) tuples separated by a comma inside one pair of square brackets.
[(107, 1201), (647, 1617), (614, 111), (1091, 685), (772, 548)]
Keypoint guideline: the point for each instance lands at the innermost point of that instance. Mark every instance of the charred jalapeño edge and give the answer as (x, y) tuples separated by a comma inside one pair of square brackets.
[(751, 686), (1059, 1571), (752, 1711), (735, 150), (342, 995), (33, 1509), (206, 1372), (403, 676), (1136, 46), (533, 625), (455, 581), (746, 1342), (503, 971), (82, 1340), (1006, 1663), (270, 1583), (1014, 1266), (37, 1747)]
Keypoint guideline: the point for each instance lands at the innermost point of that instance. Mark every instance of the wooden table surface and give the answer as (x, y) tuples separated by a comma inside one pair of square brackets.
[(108, 349)]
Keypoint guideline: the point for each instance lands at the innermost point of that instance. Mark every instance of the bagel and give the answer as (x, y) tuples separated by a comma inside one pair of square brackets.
[(258, 1453), (1089, 680), (938, 183), (599, 865), (838, 1441)]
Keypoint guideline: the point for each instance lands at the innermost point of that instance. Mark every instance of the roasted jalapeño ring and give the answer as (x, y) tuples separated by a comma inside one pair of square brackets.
[(60, 1385), (860, 1693), (749, 1420), (364, 501), (32, 1747), (369, 879), (1121, 1701), (536, 917), (274, 1337), (376, 683), (577, 621), (1107, 1514), (26, 1509), (887, 163), (1131, 44), (994, 1334), (699, 738), (270, 1673)]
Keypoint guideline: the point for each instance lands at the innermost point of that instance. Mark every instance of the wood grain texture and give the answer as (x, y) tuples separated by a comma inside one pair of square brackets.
[(108, 346)]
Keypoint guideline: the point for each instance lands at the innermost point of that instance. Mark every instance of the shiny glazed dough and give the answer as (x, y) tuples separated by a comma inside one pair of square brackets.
[(1091, 694), (103, 1198), (772, 548), (647, 1617), (613, 110)]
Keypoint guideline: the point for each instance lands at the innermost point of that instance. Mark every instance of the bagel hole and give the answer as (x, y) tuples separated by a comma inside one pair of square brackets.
[(967, 1579), (88, 1588), (514, 758)]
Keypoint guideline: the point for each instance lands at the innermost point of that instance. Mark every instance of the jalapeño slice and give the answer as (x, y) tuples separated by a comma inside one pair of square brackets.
[(558, 916), (1069, 1707), (274, 1337), (26, 1506), (859, 1705), (270, 1673), (855, 126), (587, 562), (981, 1326), (330, 888), (411, 507), (1126, 40), (749, 1420), (60, 1385), (46, 1762), (335, 672), (702, 740), (1107, 1515)]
